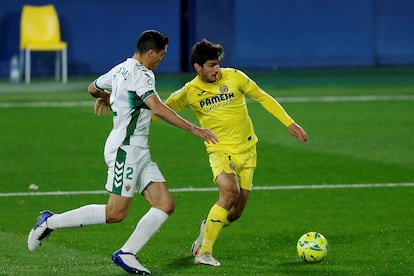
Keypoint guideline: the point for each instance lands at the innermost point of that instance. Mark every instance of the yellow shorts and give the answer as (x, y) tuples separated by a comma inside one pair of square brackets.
[(241, 164)]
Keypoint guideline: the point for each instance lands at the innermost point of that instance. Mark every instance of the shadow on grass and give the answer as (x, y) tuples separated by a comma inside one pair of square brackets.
[(183, 263)]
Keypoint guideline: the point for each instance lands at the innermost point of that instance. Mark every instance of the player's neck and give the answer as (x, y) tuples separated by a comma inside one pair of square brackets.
[(142, 59)]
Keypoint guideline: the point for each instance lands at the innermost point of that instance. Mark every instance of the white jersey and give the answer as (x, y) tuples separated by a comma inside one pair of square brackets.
[(131, 84)]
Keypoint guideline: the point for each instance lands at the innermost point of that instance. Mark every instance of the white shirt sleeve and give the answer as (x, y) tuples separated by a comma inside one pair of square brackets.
[(104, 81)]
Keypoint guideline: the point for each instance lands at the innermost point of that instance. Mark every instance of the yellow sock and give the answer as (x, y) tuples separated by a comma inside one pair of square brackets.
[(215, 222)]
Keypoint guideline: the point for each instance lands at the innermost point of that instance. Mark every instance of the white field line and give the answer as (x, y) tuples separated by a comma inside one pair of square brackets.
[(191, 189), (368, 98), (46, 104)]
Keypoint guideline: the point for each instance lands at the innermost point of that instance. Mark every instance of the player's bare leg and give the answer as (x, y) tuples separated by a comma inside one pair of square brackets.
[(228, 194), (237, 209)]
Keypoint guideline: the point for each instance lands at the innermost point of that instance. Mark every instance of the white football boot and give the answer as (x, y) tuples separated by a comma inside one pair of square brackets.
[(199, 241), (129, 263), (206, 259), (39, 231)]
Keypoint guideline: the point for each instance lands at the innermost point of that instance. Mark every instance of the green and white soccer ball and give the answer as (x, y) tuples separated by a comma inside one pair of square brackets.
[(312, 247)]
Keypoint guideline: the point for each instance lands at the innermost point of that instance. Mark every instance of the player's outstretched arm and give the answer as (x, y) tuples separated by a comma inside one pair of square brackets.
[(170, 116), (297, 131)]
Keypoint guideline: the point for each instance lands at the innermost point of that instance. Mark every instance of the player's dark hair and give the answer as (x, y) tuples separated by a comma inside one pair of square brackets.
[(151, 39), (205, 50)]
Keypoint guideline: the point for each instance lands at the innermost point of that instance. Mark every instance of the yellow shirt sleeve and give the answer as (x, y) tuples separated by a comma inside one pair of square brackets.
[(177, 101), (268, 102)]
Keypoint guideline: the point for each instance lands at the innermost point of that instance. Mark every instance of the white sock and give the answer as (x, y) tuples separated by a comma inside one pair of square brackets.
[(85, 215), (146, 228)]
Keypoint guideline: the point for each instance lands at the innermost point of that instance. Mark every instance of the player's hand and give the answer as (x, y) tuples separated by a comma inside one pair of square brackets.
[(102, 104), (298, 132), (206, 135)]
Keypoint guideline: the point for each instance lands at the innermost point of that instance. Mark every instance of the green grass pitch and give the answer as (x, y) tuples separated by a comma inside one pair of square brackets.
[(360, 126)]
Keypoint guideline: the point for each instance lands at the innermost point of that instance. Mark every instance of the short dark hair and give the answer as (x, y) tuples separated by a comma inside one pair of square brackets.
[(205, 50), (151, 39)]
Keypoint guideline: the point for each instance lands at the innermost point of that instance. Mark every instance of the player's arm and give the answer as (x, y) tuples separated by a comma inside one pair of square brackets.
[(102, 98), (167, 114), (249, 87), (175, 101), (269, 103), (273, 107)]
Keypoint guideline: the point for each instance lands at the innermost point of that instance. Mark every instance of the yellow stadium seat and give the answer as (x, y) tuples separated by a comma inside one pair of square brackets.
[(40, 31)]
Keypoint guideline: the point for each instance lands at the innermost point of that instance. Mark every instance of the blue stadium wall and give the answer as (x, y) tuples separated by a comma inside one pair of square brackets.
[(260, 34)]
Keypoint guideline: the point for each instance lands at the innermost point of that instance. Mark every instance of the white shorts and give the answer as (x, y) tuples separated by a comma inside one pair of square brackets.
[(132, 170)]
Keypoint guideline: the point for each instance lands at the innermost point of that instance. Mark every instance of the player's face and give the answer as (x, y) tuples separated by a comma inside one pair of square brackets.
[(156, 58), (209, 71)]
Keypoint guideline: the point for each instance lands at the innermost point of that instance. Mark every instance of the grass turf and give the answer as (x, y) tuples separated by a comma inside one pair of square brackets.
[(369, 229)]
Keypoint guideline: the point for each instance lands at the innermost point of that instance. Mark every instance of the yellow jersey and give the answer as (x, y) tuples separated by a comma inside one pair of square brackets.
[(221, 107)]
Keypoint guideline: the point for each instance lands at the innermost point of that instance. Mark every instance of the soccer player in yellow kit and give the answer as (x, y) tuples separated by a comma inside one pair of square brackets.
[(217, 98)]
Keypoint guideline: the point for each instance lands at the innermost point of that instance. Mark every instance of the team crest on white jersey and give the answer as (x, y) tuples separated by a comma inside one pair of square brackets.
[(150, 82)]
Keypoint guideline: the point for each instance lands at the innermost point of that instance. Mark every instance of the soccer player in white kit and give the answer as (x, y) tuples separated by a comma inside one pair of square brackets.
[(128, 89)]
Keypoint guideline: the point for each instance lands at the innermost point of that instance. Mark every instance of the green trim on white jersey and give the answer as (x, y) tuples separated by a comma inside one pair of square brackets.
[(131, 84)]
